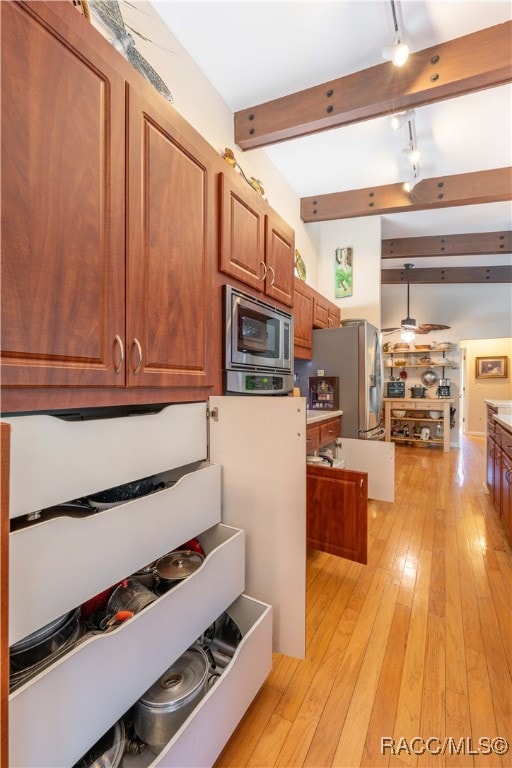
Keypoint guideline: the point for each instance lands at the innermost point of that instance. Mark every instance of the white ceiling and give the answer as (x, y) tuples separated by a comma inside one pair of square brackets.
[(256, 50)]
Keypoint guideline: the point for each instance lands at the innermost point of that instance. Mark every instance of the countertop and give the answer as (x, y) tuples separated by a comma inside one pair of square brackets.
[(312, 417), (504, 419), (499, 403), (418, 399)]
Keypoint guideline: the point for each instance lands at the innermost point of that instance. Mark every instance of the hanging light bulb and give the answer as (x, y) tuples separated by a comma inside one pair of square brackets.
[(407, 336)]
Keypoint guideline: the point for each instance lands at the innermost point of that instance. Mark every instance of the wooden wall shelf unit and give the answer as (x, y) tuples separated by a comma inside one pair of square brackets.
[(413, 407)]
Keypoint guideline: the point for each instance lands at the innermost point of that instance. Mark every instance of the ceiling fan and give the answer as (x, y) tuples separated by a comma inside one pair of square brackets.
[(408, 324), (108, 13)]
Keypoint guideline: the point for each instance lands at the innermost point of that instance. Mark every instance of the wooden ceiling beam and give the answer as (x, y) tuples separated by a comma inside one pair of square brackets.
[(500, 274), (471, 244), (442, 192), (464, 65)]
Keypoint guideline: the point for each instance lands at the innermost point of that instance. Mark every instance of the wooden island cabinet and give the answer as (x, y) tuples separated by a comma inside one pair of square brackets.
[(499, 463)]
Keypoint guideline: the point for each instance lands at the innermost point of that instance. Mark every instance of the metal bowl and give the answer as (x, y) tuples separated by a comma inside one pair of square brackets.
[(429, 377)]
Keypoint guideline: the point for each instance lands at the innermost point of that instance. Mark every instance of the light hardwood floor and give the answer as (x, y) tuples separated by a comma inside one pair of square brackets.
[(418, 643)]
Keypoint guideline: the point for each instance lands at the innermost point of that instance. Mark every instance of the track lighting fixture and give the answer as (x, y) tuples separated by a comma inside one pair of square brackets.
[(398, 53), (411, 183), (399, 120)]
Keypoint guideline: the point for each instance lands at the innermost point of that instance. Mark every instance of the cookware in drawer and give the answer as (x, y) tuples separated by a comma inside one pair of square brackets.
[(61, 562), (97, 681), (218, 713)]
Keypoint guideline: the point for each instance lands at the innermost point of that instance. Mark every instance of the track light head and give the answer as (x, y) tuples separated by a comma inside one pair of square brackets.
[(411, 183), (398, 53), (399, 119)]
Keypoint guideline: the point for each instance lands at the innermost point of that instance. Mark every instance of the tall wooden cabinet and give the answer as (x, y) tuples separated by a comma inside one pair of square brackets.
[(62, 205), (499, 466)]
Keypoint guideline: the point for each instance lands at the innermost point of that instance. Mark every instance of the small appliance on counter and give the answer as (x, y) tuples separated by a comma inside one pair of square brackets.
[(395, 388), (323, 393), (443, 389)]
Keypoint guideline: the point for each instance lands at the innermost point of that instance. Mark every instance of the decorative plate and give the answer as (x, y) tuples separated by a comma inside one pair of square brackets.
[(300, 267)]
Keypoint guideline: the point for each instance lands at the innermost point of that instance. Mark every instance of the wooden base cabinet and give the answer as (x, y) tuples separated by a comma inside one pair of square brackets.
[(337, 512)]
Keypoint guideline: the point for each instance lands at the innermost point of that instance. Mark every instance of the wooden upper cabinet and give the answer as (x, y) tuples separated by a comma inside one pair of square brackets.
[(279, 259), (62, 132), (256, 246), (302, 320), (326, 314), (337, 512), (170, 204), (242, 233)]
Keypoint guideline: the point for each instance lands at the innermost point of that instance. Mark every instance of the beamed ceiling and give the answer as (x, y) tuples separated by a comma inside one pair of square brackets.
[(308, 85)]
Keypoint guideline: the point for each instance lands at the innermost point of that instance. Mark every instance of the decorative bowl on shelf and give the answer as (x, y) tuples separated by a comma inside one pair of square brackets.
[(399, 413), (421, 347), (400, 347), (435, 414), (399, 363)]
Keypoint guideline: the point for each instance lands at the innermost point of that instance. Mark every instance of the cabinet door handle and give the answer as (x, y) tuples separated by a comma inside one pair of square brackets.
[(119, 342), (139, 350), (273, 275), (361, 483), (262, 278)]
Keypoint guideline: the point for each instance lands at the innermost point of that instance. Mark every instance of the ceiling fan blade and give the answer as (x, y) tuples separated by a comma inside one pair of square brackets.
[(428, 327), (389, 330), (147, 71)]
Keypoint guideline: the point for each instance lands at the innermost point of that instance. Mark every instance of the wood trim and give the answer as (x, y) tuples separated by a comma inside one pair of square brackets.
[(471, 244), (464, 65), (5, 432), (442, 192), (500, 274)]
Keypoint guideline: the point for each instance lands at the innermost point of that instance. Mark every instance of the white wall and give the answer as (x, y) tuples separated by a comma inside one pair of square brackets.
[(478, 390), (363, 235)]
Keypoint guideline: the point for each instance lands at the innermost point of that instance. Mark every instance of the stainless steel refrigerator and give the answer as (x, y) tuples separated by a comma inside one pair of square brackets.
[(353, 353)]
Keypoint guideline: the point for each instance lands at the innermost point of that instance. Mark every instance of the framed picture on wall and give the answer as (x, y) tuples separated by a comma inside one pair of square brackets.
[(343, 272), (491, 367)]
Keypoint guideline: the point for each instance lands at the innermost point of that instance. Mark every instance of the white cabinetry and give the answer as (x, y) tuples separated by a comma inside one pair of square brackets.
[(58, 562)]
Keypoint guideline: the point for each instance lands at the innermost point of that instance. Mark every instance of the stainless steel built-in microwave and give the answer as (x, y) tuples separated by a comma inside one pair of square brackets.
[(258, 346)]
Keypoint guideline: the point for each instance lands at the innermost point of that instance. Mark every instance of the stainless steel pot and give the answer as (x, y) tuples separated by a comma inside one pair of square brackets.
[(418, 391), (166, 705)]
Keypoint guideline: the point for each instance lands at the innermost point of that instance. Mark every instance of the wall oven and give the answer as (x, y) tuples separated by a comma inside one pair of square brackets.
[(258, 346)]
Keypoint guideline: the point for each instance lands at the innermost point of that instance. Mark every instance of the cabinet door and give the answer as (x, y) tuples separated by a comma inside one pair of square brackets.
[(496, 486), (279, 259), (491, 448), (320, 312), (242, 233), (334, 316), (337, 512), (506, 493), (170, 200), (302, 320), (62, 204)]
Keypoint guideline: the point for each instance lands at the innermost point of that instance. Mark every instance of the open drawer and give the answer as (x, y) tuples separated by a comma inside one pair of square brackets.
[(55, 717), (59, 563), (220, 711)]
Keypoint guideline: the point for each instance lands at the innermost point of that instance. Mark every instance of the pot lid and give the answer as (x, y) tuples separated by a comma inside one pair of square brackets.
[(178, 564), (178, 683), (42, 634)]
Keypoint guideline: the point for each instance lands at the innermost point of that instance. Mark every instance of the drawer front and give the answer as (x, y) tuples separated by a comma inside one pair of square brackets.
[(60, 563), (329, 431), (101, 678), (312, 439), (54, 461), (218, 714)]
